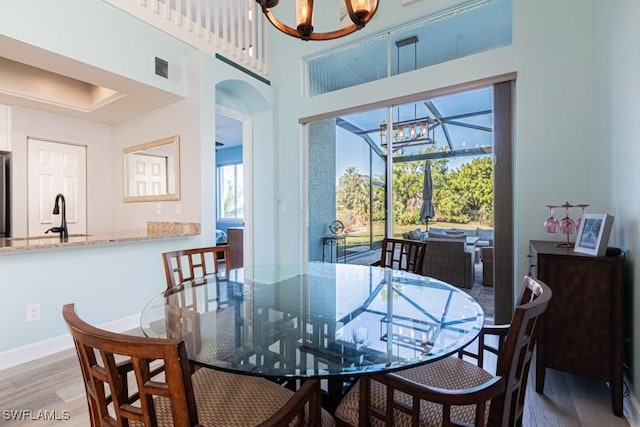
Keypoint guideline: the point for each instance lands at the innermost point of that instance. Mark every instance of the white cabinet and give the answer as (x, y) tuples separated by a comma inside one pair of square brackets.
[(5, 128)]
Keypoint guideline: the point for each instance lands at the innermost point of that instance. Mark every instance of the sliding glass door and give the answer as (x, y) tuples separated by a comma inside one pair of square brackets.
[(397, 169), (346, 182)]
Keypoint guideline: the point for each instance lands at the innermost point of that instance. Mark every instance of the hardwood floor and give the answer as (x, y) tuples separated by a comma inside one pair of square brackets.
[(52, 388), (572, 401), (47, 388)]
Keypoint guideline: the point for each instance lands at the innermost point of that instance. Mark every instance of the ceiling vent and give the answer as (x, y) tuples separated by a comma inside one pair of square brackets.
[(162, 68)]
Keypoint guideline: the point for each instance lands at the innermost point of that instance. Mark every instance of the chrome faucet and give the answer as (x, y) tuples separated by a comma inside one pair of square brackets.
[(64, 233)]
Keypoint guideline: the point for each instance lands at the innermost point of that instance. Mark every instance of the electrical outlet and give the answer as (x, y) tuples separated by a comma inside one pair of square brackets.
[(158, 208), (33, 312), (178, 209)]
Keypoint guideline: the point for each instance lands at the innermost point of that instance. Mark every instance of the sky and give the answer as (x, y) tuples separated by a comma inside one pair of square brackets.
[(352, 151)]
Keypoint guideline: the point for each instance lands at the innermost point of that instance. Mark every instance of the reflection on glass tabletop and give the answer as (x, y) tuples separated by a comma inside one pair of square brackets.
[(315, 320)]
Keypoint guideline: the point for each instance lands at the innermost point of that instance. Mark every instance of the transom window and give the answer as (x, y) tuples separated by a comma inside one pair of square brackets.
[(469, 28)]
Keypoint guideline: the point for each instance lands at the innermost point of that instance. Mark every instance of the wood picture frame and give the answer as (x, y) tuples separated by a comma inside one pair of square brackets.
[(593, 234)]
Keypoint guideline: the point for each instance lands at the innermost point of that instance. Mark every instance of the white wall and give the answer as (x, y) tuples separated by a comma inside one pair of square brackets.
[(182, 119), (27, 122), (554, 119), (115, 281), (554, 112), (560, 128), (106, 282), (95, 33), (617, 85), (70, 35), (576, 127)]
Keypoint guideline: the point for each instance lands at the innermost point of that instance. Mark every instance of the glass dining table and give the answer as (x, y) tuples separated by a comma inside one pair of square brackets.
[(315, 320)]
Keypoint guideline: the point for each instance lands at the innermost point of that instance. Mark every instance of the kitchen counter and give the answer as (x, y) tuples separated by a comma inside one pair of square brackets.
[(155, 231)]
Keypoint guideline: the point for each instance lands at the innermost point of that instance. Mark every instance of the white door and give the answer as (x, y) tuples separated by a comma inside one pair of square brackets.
[(55, 168), (148, 175)]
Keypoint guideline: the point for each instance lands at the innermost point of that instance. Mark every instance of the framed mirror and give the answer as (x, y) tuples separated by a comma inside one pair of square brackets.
[(152, 171)]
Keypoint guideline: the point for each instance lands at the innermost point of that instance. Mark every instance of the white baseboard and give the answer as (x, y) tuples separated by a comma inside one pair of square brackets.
[(29, 352)]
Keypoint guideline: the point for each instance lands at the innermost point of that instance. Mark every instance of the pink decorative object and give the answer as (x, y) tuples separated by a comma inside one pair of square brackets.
[(566, 225), (551, 224)]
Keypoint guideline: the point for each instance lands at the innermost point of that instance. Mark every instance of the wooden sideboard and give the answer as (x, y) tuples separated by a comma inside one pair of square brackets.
[(235, 241), (582, 330)]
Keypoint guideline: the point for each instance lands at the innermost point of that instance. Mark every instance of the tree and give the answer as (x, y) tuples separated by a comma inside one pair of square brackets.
[(352, 197), (459, 196), (478, 178), (408, 179), (467, 194)]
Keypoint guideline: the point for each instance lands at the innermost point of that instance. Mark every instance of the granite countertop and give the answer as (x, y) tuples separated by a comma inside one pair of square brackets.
[(154, 231)]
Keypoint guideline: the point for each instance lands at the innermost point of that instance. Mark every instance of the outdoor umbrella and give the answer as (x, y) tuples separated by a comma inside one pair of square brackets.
[(426, 211)]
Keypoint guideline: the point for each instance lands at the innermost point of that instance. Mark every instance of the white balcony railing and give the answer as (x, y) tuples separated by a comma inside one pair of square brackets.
[(233, 29)]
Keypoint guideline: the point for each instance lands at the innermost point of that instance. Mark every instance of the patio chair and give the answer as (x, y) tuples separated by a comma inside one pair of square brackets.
[(454, 391)]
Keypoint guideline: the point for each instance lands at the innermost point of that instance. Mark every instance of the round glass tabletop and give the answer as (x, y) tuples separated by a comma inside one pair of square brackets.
[(317, 320)]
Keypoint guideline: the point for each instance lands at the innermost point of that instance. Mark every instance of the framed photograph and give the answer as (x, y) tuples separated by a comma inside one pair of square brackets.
[(593, 234)]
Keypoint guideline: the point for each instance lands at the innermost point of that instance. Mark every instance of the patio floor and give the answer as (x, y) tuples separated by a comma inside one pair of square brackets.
[(483, 294)]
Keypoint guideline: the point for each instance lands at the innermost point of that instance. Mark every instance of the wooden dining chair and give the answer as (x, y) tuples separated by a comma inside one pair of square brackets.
[(455, 391), (399, 254), (188, 264), (140, 381)]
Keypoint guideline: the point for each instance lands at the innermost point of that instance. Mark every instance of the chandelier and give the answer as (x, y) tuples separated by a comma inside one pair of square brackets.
[(418, 131), (360, 12)]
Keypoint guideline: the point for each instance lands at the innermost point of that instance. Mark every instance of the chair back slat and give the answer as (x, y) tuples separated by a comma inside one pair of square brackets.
[(106, 360), (514, 360), (188, 264), (407, 255)]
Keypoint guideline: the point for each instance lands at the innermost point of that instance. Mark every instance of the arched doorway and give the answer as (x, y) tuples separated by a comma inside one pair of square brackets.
[(243, 103)]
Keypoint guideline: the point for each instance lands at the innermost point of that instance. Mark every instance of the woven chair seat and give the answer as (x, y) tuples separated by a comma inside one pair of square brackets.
[(450, 373), (228, 400), (218, 351)]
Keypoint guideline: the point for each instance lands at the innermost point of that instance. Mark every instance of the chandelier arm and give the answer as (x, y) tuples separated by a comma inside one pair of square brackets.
[(280, 25), (355, 19), (360, 20), (305, 31), (313, 36)]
